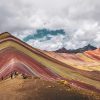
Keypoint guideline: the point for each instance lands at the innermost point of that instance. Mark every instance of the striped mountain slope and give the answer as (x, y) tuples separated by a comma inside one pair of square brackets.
[(81, 70)]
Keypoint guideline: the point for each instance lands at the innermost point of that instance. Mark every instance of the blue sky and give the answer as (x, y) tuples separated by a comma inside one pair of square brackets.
[(52, 24)]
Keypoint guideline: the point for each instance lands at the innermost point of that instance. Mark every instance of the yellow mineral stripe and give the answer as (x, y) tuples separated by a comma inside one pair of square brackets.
[(85, 58)]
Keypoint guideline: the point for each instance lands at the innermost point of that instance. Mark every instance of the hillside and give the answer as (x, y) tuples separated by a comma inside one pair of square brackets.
[(36, 89), (81, 70)]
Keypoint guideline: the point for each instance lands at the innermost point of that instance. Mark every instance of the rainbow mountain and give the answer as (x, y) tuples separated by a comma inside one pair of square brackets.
[(81, 70)]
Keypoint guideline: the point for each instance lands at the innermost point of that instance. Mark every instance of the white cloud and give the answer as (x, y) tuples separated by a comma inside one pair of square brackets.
[(79, 18), (55, 43)]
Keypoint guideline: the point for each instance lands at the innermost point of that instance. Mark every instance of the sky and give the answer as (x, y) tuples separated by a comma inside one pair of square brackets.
[(52, 24)]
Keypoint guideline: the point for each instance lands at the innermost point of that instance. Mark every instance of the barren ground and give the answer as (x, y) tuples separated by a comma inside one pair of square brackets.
[(36, 89)]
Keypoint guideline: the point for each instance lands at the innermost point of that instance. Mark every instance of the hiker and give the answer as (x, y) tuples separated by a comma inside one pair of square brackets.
[(11, 75), (2, 77), (24, 76), (15, 74)]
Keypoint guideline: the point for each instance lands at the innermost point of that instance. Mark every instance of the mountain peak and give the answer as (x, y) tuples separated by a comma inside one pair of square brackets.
[(62, 50), (88, 47), (5, 35)]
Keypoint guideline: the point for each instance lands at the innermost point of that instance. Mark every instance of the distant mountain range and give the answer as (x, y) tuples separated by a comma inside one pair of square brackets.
[(80, 50)]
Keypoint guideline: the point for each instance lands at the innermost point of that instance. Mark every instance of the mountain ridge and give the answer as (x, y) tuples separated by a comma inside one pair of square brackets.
[(79, 50)]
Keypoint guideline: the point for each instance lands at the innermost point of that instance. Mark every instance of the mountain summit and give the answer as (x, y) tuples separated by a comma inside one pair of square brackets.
[(5, 35), (62, 50)]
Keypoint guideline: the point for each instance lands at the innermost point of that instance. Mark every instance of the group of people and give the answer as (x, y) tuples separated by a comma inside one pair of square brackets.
[(14, 74)]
